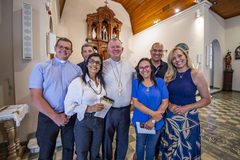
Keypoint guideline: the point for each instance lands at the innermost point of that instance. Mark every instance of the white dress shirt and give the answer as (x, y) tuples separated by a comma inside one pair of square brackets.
[(80, 95), (128, 74)]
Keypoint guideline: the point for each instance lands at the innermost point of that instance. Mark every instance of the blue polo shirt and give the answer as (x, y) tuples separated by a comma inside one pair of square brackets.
[(53, 77)]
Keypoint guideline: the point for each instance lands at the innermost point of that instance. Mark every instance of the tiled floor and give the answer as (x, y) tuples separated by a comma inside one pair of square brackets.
[(220, 127)]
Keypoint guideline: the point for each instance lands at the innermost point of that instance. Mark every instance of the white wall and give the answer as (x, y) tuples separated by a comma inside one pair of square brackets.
[(182, 28), (232, 42), (23, 68), (215, 31)]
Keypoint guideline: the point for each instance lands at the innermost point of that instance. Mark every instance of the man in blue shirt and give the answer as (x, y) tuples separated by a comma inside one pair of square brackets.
[(48, 87), (86, 50)]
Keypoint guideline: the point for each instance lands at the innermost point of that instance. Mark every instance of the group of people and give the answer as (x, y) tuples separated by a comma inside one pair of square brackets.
[(163, 94)]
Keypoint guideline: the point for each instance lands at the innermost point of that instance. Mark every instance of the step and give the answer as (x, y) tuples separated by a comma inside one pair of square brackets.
[(34, 148)]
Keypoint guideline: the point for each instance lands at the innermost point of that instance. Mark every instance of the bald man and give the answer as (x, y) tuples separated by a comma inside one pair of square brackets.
[(160, 67)]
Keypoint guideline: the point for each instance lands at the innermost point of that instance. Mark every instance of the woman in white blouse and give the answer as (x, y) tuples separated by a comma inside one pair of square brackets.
[(83, 97)]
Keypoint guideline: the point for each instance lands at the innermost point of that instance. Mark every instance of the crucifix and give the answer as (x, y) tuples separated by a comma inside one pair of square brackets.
[(119, 91), (106, 2)]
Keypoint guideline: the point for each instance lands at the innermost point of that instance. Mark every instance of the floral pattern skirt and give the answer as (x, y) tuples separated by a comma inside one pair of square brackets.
[(181, 137)]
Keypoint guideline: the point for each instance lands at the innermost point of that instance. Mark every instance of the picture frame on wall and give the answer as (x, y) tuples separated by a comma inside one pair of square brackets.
[(237, 53)]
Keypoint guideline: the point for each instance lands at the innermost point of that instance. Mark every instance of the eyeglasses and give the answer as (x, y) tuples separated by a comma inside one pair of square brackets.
[(62, 47), (160, 50), (142, 68), (91, 61)]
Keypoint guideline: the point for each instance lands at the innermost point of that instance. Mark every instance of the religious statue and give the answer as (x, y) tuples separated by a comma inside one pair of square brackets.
[(228, 61), (104, 33), (94, 34)]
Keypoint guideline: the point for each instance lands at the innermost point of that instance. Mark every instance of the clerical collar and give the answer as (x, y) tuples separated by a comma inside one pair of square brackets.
[(114, 62), (60, 61)]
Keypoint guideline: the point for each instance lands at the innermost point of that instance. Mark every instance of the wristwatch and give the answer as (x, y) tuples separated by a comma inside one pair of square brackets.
[(153, 120)]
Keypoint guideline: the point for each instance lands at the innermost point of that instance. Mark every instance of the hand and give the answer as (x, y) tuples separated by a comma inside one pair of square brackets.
[(61, 119), (157, 115), (180, 110), (173, 107), (149, 125), (97, 107)]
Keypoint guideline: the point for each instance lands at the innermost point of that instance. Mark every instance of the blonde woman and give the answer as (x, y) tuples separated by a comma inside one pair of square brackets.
[(181, 135)]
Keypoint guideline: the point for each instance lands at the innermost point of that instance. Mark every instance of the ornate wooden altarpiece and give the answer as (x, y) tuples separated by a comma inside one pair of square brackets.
[(102, 26)]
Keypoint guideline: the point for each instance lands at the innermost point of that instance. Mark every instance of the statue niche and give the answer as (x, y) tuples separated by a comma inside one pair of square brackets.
[(102, 26), (104, 30), (94, 30)]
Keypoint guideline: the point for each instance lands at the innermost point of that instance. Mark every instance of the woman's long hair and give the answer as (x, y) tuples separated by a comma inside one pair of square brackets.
[(172, 70), (152, 76), (99, 74)]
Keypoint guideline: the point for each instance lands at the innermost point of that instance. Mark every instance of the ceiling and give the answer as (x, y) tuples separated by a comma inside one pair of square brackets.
[(143, 13)]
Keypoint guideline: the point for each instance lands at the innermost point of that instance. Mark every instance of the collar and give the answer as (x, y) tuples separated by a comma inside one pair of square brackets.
[(88, 79), (114, 62), (60, 61), (161, 63)]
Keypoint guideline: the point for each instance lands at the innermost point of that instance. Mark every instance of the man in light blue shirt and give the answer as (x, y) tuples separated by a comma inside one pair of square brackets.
[(48, 87)]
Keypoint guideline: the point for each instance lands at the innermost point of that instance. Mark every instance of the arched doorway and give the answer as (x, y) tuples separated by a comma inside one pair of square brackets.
[(215, 65)]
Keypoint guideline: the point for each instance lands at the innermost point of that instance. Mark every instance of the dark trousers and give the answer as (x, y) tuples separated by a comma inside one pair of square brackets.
[(47, 132), (88, 135), (117, 119)]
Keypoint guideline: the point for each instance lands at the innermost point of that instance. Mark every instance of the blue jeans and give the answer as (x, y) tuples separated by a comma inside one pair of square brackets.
[(148, 140), (47, 132), (88, 135)]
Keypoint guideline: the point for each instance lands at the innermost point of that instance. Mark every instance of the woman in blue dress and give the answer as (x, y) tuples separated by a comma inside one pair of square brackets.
[(181, 135), (150, 99)]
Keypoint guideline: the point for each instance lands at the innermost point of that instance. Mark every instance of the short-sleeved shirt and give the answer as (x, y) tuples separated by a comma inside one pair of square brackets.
[(53, 77), (151, 99)]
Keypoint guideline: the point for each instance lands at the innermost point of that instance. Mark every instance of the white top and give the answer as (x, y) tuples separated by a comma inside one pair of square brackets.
[(80, 95), (128, 74)]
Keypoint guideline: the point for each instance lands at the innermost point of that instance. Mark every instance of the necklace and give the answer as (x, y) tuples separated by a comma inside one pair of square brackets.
[(181, 74), (118, 81), (146, 84), (95, 90)]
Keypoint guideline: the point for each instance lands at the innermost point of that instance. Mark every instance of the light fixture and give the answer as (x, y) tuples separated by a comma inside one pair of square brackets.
[(157, 21), (198, 13), (177, 10), (197, 1)]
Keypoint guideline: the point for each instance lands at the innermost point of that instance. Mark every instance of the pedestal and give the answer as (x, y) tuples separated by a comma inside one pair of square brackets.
[(11, 116), (227, 81)]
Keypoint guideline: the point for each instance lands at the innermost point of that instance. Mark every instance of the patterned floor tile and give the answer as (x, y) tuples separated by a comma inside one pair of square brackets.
[(221, 120), (233, 121)]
